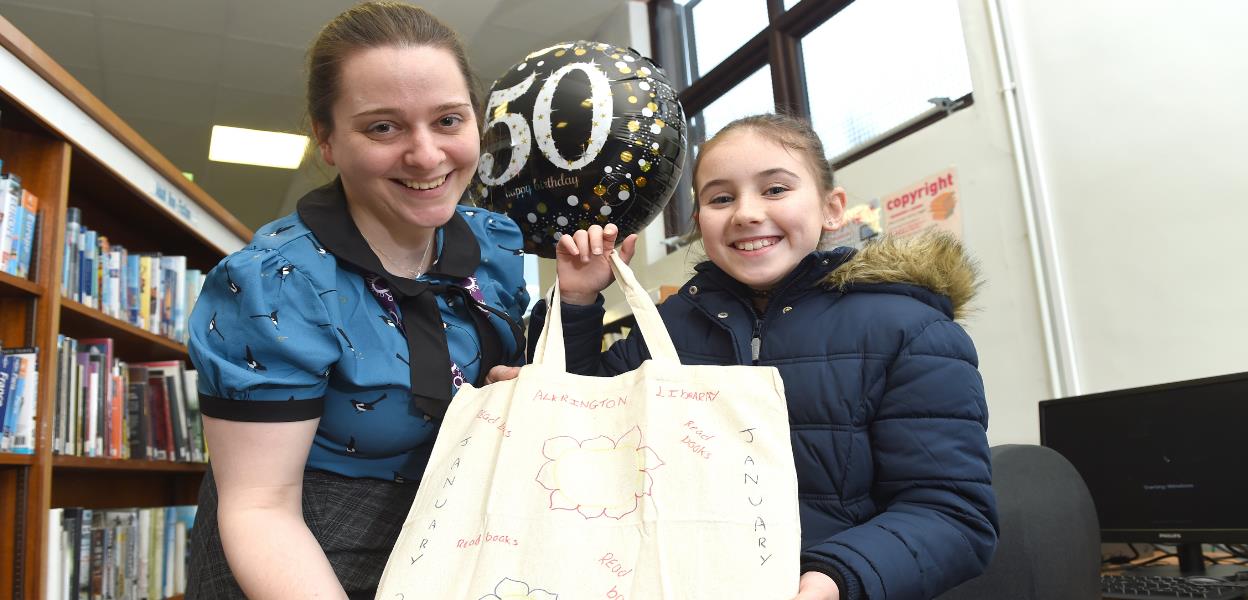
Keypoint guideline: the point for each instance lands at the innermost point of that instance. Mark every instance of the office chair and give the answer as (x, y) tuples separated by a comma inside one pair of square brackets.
[(1050, 542)]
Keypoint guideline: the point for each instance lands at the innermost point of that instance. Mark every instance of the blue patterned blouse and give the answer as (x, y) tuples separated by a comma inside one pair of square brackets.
[(305, 323)]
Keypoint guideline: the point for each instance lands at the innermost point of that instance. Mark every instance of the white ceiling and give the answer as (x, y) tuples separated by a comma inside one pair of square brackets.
[(173, 68)]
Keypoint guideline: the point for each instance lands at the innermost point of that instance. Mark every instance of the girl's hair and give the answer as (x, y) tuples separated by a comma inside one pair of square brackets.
[(374, 25), (793, 133)]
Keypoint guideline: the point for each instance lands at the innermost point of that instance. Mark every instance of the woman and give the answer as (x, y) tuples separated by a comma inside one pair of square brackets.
[(886, 404), (330, 347)]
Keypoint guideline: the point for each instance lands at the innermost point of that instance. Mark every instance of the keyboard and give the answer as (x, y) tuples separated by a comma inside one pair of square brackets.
[(1137, 587)]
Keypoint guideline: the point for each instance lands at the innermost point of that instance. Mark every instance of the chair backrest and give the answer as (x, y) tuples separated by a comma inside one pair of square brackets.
[(1050, 542)]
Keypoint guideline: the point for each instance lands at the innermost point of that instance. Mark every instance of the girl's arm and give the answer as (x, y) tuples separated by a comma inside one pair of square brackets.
[(258, 468), (582, 335), (937, 524), (584, 270)]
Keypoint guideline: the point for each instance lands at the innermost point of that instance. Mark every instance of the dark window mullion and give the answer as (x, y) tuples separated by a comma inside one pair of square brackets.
[(788, 77), (807, 16), (775, 8), (733, 70)]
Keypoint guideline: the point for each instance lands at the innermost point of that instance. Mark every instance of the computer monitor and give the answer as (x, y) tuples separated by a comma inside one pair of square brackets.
[(1165, 464)]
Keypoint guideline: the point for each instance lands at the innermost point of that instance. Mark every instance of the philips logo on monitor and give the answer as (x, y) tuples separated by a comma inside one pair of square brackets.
[(1170, 536)]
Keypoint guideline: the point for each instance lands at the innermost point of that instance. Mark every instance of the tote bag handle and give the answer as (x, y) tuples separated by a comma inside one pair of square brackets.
[(550, 347)]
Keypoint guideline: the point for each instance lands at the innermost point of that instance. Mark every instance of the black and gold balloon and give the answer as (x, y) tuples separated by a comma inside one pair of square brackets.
[(577, 134)]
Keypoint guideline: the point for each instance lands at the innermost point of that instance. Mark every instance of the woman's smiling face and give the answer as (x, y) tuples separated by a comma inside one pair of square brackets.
[(760, 209), (404, 137)]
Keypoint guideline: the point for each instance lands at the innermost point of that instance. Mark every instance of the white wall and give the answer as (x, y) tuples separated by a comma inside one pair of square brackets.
[(1135, 115), (1138, 112)]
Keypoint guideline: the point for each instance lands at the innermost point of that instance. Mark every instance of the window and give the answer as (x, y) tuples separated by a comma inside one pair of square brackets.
[(751, 96), (865, 72), (716, 28), (887, 79)]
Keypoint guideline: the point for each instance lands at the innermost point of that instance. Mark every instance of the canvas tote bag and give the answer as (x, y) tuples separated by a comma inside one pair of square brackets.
[(667, 482)]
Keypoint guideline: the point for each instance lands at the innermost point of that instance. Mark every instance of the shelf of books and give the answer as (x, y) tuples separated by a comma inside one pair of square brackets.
[(103, 249)]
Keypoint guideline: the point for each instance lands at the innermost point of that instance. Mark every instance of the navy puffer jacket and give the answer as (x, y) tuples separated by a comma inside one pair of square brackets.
[(886, 404)]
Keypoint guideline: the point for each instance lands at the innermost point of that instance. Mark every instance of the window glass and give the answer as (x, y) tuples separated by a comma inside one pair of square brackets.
[(874, 66), (717, 28), (751, 96), (531, 282)]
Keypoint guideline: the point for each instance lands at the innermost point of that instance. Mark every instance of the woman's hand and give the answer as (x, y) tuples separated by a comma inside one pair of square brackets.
[(816, 586), (583, 262)]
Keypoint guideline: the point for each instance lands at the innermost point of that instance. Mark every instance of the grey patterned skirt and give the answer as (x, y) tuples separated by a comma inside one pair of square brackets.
[(357, 522)]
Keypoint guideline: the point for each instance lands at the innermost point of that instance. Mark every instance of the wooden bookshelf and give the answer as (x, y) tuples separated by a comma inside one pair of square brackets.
[(78, 481), (10, 458), (12, 286), (125, 464), (136, 344), (72, 151)]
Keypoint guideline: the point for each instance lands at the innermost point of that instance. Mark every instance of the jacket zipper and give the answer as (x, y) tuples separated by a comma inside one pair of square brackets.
[(756, 340)]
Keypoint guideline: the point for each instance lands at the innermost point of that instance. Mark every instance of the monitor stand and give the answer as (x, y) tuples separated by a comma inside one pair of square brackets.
[(1191, 562)]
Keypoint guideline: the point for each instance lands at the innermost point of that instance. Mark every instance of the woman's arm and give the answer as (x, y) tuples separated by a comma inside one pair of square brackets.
[(258, 468)]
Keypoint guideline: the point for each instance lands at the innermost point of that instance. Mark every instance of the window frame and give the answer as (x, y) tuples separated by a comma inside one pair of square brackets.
[(777, 46)]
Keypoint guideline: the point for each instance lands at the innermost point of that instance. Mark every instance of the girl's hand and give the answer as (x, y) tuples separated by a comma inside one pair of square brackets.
[(816, 586), (501, 373), (583, 263)]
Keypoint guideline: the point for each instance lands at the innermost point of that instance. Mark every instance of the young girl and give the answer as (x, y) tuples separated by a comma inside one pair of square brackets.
[(885, 402)]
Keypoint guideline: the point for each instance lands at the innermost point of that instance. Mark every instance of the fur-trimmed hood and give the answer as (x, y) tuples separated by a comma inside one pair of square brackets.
[(935, 261)]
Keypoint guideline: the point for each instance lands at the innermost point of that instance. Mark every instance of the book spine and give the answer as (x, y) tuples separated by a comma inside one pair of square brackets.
[(89, 280), (73, 217), (145, 291), (90, 407), (10, 229), (158, 290), (6, 214), (112, 300), (179, 298), (95, 577), (58, 406), (7, 372), (86, 541), (24, 428), (80, 264), (29, 225), (77, 409)]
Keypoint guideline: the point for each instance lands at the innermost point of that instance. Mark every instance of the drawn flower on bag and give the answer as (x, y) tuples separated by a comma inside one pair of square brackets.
[(598, 476), (511, 589)]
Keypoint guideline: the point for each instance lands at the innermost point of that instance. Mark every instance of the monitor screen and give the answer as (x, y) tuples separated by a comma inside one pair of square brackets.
[(1164, 463)]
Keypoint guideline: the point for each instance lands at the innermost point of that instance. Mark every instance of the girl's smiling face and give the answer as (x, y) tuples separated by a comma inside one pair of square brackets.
[(760, 209)]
